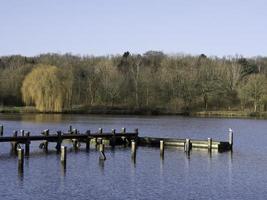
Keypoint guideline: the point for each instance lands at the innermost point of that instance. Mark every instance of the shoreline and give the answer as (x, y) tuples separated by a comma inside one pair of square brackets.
[(146, 112)]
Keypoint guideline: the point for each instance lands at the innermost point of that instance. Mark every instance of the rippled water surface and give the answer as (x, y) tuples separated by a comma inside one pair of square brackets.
[(240, 175)]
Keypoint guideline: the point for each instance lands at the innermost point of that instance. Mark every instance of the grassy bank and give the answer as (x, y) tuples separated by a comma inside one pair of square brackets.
[(230, 114)]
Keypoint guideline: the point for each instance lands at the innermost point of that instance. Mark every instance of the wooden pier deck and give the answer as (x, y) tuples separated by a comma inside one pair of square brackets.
[(114, 139)]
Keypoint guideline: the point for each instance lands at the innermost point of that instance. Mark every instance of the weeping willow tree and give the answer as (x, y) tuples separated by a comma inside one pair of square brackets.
[(44, 87)]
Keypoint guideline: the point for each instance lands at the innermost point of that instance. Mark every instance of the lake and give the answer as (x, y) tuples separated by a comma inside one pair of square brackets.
[(238, 175)]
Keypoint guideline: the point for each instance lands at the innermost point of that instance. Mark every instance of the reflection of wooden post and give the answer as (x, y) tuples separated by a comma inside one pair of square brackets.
[(161, 146), (231, 138), (209, 144), (20, 158), (1, 130), (102, 152), (27, 144)]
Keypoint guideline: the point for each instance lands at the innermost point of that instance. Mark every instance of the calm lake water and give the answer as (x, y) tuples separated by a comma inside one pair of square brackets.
[(240, 175)]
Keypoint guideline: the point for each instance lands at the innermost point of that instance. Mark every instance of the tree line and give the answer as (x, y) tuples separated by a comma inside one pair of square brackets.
[(152, 81)]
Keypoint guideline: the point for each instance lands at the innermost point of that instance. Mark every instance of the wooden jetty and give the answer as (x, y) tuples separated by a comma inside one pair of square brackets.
[(112, 139)]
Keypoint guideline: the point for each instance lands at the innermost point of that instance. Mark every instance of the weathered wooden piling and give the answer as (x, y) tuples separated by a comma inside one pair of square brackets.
[(88, 139), (161, 147), (100, 130), (14, 144), (46, 133), (70, 129), (75, 141), (20, 158), (1, 130), (231, 138), (63, 154), (59, 141), (187, 145), (123, 131), (112, 141), (27, 144), (209, 144), (22, 132), (102, 155), (133, 150)]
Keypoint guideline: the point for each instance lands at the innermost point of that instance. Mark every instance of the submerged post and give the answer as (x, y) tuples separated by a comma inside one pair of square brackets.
[(102, 155), (231, 138), (161, 146), (20, 158), (63, 155), (1, 130), (209, 144)]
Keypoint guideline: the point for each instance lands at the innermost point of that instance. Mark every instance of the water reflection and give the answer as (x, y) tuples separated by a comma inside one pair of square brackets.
[(63, 168), (101, 164), (40, 118)]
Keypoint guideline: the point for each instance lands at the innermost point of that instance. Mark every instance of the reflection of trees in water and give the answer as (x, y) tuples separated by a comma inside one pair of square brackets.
[(56, 118)]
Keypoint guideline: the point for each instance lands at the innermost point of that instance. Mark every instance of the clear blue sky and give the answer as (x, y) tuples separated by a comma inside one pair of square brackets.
[(101, 27)]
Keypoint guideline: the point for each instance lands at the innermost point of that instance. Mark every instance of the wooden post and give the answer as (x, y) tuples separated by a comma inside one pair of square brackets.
[(231, 138), (209, 144), (27, 144), (1, 130), (63, 154), (70, 129), (102, 155), (14, 144), (20, 158), (187, 145), (161, 146), (113, 139), (100, 130), (59, 141), (22, 132), (133, 150), (46, 133), (88, 132), (75, 141), (123, 130)]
